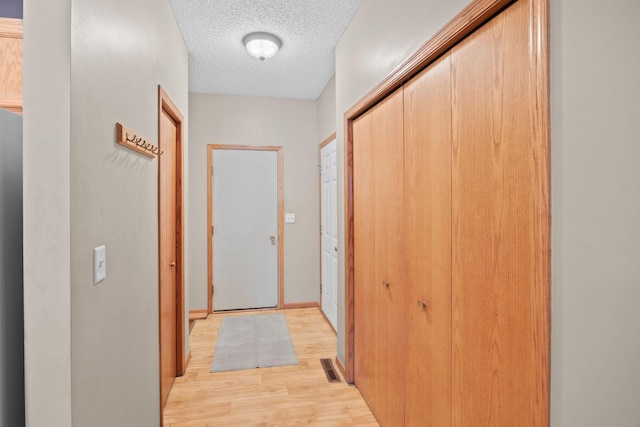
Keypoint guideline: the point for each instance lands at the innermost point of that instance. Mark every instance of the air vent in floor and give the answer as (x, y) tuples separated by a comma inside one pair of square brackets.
[(329, 371)]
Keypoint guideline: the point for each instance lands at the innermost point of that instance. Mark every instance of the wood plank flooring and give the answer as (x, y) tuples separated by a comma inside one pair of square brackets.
[(281, 396)]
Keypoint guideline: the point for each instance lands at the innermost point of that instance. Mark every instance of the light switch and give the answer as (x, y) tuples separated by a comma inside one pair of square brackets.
[(99, 264), (290, 218)]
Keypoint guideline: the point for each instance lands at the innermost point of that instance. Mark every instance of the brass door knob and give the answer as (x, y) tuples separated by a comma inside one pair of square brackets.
[(422, 304), (273, 238), (386, 284), (172, 264)]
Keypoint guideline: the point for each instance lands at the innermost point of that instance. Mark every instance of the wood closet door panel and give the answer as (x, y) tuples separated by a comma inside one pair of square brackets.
[(379, 258), (427, 124), (500, 283), (366, 320)]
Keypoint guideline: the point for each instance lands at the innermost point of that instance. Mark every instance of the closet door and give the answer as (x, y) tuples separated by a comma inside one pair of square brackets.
[(427, 154), (500, 227), (379, 288)]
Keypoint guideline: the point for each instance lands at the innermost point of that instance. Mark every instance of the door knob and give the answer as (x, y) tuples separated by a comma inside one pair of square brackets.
[(273, 238), (172, 264), (386, 284), (422, 304)]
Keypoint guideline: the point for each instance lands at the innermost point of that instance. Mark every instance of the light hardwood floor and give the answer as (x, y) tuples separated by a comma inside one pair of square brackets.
[(283, 396)]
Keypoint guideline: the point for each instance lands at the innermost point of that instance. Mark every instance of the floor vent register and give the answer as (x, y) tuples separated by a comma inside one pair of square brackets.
[(329, 371)]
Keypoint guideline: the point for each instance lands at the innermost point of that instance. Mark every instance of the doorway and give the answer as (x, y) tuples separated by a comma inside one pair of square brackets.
[(329, 231), (171, 254), (245, 227)]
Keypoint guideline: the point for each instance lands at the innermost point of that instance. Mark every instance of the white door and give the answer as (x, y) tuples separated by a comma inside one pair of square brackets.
[(245, 229), (329, 233)]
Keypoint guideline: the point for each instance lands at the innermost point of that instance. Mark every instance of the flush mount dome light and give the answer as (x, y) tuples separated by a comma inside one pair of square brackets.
[(262, 45)]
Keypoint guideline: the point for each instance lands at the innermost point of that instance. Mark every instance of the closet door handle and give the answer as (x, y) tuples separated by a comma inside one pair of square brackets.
[(422, 304), (386, 284)]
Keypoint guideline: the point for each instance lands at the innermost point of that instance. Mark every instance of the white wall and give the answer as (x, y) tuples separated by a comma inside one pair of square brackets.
[(11, 312), (381, 35), (47, 202), (118, 60), (92, 350), (327, 111), (595, 107), (240, 120)]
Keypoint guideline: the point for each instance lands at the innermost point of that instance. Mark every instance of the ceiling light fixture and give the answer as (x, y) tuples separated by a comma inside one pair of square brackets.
[(262, 45)]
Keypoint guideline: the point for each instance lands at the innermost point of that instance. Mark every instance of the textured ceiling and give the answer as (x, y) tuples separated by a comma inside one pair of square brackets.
[(219, 63)]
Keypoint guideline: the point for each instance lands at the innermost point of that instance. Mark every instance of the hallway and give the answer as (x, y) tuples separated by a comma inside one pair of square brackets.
[(281, 396)]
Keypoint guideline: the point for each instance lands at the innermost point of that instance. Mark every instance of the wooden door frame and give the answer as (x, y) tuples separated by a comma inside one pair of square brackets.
[(11, 30), (322, 145), (280, 151), (466, 22), (165, 104)]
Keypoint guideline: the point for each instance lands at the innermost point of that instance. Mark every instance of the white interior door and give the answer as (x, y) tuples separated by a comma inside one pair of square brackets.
[(245, 222), (329, 233)]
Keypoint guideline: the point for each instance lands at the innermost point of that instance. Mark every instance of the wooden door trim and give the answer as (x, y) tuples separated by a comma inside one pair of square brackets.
[(11, 28), (10, 95), (322, 145), (280, 151), (165, 104), (327, 141), (466, 22)]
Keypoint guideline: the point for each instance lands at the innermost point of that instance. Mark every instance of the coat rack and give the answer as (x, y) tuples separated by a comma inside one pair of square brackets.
[(135, 142)]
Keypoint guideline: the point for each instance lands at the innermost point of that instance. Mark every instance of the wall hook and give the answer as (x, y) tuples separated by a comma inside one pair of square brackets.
[(135, 142)]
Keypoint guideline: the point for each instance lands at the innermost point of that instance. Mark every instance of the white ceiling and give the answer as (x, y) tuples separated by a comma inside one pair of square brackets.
[(219, 63)]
